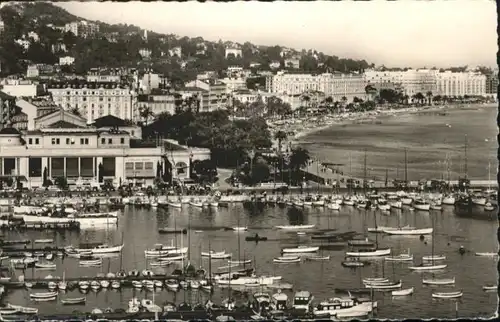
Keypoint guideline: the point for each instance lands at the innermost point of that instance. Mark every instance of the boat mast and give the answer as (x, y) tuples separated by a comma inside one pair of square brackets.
[(406, 168), (364, 175), (465, 150)]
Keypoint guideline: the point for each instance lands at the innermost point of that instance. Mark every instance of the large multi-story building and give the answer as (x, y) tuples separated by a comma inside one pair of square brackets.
[(215, 95), (156, 103), (40, 71), (460, 84), (21, 88), (94, 100), (82, 28), (64, 146), (492, 83), (412, 81), (35, 108), (104, 75), (7, 109), (337, 86)]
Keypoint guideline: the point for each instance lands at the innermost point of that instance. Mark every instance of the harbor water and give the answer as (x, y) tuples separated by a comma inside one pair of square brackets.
[(139, 230), (428, 137)]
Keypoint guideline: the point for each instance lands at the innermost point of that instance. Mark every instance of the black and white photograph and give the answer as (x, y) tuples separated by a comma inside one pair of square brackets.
[(228, 161)]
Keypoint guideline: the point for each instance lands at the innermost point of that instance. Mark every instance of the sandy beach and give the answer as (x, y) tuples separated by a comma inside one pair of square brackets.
[(307, 126)]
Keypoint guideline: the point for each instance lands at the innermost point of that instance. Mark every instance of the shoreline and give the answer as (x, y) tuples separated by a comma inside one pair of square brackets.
[(351, 118)]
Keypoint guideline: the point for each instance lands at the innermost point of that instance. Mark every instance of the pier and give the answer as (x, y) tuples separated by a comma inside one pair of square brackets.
[(41, 226)]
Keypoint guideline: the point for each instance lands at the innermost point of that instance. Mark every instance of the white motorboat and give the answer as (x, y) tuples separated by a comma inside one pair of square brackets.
[(438, 281), (448, 200), (216, 255), (300, 249), (333, 206), (403, 231), (196, 203), (400, 258), (396, 204), (106, 249), (369, 252), (490, 287), (420, 204), (431, 258), (239, 228), (403, 292), (489, 207), (28, 210), (447, 295), (171, 257), (295, 227), (287, 259), (406, 201), (158, 250), (172, 204), (428, 267), (381, 229), (85, 220), (479, 200), (345, 307)]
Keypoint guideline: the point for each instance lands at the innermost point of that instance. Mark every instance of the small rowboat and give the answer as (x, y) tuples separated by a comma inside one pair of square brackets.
[(239, 228), (405, 292), (91, 262), (45, 265), (372, 280), (487, 254), (43, 295), (301, 249), (160, 263), (43, 241), (74, 301), (318, 258), (400, 258), (439, 281), (353, 263), (427, 267), (490, 287), (239, 262), (287, 259), (434, 258), (384, 286), (447, 295), (8, 311)]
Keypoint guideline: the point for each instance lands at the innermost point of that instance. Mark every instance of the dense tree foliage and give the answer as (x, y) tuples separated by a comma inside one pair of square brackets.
[(119, 45), (229, 141)]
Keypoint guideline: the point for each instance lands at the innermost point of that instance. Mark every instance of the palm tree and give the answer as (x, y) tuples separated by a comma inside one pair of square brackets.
[(280, 136), (429, 97), (370, 91), (344, 100), (145, 112), (298, 159), (305, 99)]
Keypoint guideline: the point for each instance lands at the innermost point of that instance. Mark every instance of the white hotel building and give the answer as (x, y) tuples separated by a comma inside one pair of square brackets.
[(425, 80), (460, 84), (335, 85), (63, 145), (95, 99)]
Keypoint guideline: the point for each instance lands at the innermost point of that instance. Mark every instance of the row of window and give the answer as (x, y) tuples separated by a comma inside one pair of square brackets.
[(138, 166), (101, 93), (110, 141)]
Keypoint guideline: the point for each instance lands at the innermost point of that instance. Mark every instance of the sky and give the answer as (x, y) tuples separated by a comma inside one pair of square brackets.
[(405, 33)]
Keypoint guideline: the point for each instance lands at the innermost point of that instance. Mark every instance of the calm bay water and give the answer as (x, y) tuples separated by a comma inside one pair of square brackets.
[(428, 138), (138, 228)]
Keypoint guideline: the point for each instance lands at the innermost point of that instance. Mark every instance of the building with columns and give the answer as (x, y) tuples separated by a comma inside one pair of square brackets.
[(335, 85), (460, 84), (64, 145)]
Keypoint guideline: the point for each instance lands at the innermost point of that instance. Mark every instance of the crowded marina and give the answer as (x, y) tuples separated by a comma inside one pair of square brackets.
[(43, 268)]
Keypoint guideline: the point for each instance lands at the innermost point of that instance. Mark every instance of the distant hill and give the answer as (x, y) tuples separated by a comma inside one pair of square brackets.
[(119, 45)]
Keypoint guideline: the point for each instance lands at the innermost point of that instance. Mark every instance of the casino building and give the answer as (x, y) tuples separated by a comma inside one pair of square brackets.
[(62, 144)]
